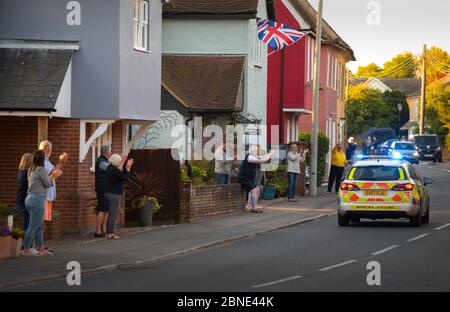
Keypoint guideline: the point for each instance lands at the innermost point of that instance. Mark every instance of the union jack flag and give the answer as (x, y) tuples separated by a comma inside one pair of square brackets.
[(277, 35)]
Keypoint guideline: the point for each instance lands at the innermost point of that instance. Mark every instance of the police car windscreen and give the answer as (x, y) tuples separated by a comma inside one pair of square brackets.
[(377, 173), (405, 146)]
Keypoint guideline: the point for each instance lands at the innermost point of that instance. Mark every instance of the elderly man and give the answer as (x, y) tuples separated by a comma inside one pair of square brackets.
[(100, 187)]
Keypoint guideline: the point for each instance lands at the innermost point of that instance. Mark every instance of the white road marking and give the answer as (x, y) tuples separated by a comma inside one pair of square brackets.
[(337, 265), (418, 237), (379, 252), (278, 281), (442, 227)]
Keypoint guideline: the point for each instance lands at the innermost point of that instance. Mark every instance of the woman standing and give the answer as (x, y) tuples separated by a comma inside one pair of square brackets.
[(115, 177), (38, 183), (338, 163), (22, 178), (294, 158), (247, 175)]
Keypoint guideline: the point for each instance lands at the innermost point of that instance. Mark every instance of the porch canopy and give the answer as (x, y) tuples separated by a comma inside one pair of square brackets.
[(31, 80)]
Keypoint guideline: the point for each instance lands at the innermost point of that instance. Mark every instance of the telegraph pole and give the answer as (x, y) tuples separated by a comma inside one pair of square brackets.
[(315, 110), (424, 92)]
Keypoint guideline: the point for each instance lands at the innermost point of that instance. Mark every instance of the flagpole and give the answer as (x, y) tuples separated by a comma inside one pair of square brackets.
[(315, 110)]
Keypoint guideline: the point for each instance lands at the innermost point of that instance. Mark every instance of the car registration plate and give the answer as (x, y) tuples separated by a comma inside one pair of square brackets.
[(374, 207), (375, 193), (429, 155)]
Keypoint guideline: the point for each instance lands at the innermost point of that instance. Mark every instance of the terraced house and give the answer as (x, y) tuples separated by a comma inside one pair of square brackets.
[(77, 73)]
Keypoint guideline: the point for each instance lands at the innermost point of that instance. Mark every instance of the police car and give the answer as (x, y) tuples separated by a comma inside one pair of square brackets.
[(379, 187)]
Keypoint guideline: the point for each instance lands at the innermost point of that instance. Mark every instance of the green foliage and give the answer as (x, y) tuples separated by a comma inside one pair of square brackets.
[(139, 203), (278, 180), (323, 149), (6, 211), (403, 65), (368, 71), (393, 98), (367, 108), (437, 56), (438, 98), (198, 171), (17, 233), (183, 176)]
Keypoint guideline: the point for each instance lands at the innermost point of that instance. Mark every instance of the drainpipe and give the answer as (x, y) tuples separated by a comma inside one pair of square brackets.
[(189, 169)]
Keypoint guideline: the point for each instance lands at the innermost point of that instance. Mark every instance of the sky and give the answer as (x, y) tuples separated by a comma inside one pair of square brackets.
[(404, 25)]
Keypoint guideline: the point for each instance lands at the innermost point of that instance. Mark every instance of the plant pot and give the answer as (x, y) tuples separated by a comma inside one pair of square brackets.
[(269, 193), (16, 247), (197, 180), (146, 214), (5, 247)]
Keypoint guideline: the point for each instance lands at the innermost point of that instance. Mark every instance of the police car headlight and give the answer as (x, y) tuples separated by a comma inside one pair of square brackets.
[(438, 148), (416, 154), (396, 155)]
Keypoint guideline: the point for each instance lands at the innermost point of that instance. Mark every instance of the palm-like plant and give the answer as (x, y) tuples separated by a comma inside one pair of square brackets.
[(143, 187)]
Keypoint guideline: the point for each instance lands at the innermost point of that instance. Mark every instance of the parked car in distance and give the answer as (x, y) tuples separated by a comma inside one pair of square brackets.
[(428, 147), (384, 147), (404, 150)]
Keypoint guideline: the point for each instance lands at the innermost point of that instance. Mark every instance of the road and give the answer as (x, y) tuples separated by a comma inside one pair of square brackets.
[(317, 256)]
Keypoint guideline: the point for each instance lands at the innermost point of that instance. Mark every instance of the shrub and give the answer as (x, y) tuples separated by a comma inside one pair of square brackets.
[(5, 211), (278, 180), (323, 149), (17, 233)]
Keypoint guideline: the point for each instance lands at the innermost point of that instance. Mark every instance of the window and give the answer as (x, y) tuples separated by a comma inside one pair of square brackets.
[(141, 24), (377, 173), (412, 173), (258, 51)]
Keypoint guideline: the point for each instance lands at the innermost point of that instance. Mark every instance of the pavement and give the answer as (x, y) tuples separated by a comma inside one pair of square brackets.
[(151, 245)]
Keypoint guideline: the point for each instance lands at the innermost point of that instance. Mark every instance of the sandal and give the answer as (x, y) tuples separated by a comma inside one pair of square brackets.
[(99, 235), (256, 210), (114, 237)]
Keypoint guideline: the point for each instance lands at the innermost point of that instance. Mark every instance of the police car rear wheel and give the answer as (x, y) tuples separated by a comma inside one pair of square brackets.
[(343, 220), (426, 218), (416, 220)]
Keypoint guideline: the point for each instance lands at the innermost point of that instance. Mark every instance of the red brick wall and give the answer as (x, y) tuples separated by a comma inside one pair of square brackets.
[(203, 201), (19, 135)]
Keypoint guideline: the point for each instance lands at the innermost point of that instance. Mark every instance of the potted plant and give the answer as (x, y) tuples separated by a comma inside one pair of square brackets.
[(269, 189), (198, 175), (17, 235), (9, 214), (143, 191), (5, 243)]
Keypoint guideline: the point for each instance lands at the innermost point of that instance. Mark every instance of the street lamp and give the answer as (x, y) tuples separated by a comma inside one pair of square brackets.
[(400, 108)]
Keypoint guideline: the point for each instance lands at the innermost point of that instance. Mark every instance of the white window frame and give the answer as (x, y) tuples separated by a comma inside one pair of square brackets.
[(141, 16), (335, 73), (258, 55), (308, 60), (328, 69)]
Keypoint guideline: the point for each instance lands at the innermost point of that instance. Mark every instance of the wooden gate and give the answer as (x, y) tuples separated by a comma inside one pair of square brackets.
[(166, 170)]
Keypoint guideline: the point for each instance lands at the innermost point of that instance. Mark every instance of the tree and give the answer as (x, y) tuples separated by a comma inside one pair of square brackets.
[(438, 109), (403, 65), (370, 70), (393, 98), (438, 64), (367, 108)]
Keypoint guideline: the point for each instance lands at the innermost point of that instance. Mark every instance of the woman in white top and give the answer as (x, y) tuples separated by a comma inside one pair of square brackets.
[(294, 158)]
